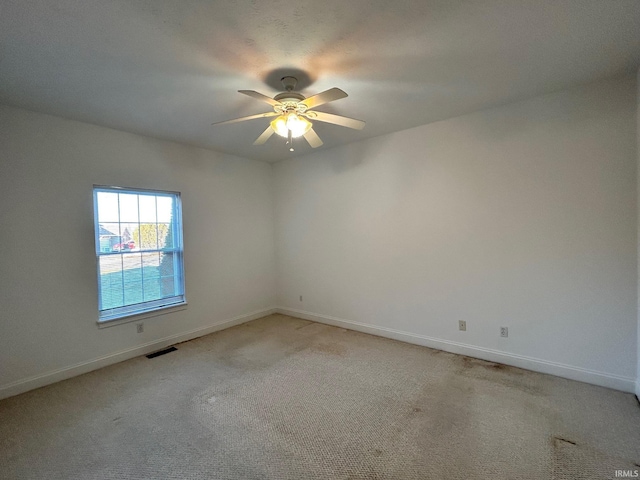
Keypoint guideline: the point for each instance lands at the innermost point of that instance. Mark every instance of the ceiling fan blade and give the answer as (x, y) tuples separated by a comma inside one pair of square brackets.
[(264, 136), (312, 137), (337, 120), (250, 117), (259, 96), (324, 97)]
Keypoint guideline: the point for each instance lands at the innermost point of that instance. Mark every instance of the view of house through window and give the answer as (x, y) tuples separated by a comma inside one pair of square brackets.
[(139, 251)]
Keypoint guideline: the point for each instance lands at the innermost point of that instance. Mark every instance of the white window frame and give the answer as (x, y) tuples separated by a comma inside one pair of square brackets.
[(177, 250)]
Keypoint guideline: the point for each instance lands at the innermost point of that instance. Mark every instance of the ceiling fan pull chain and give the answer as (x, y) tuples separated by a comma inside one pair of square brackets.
[(290, 140)]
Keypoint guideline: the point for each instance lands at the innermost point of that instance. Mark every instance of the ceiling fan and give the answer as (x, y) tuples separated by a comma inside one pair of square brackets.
[(294, 114)]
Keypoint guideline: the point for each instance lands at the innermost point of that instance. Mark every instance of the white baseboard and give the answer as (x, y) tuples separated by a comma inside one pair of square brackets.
[(617, 382), (625, 384), (37, 381)]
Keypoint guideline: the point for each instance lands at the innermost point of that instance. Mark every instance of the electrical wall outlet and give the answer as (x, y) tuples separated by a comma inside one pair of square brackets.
[(504, 332), (462, 325), (140, 327)]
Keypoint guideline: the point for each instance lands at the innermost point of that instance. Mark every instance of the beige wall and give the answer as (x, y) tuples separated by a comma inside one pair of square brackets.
[(521, 216), (48, 289)]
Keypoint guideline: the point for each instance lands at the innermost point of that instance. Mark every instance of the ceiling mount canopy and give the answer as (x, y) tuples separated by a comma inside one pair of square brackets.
[(294, 113), (289, 83)]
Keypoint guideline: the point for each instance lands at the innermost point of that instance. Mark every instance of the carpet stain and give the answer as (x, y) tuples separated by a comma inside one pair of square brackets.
[(468, 363), (504, 375), (564, 440)]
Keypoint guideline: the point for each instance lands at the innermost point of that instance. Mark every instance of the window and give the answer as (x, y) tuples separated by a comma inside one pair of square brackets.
[(139, 251)]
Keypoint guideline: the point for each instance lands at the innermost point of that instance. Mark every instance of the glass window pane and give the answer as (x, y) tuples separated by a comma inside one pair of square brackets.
[(107, 207), (147, 208), (108, 236), (165, 209), (151, 275), (126, 236), (128, 207), (151, 264), (132, 278), (146, 236), (111, 288), (165, 237), (167, 285), (170, 273)]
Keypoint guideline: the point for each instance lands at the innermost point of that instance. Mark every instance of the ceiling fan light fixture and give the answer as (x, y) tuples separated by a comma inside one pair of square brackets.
[(293, 114), (291, 122)]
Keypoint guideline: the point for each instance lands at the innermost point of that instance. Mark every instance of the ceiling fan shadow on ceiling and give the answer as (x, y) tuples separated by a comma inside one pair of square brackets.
[(294, 114)]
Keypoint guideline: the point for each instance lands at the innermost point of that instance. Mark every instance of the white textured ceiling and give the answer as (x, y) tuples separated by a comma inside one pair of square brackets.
[(169, 68)]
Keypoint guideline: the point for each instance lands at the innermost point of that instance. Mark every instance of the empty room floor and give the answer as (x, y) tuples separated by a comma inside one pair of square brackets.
[(284, 398)]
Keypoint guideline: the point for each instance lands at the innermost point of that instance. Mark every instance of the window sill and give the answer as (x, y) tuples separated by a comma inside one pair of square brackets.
[(136, 317)]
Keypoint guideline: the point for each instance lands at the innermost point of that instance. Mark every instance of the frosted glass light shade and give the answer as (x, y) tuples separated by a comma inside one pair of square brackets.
[(298, 125)]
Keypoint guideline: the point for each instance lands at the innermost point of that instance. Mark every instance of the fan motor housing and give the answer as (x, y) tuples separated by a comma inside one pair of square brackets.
[(289, 97), (289, 102)]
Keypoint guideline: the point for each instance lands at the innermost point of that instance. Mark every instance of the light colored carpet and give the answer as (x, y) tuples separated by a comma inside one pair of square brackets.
[(283, 398)]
